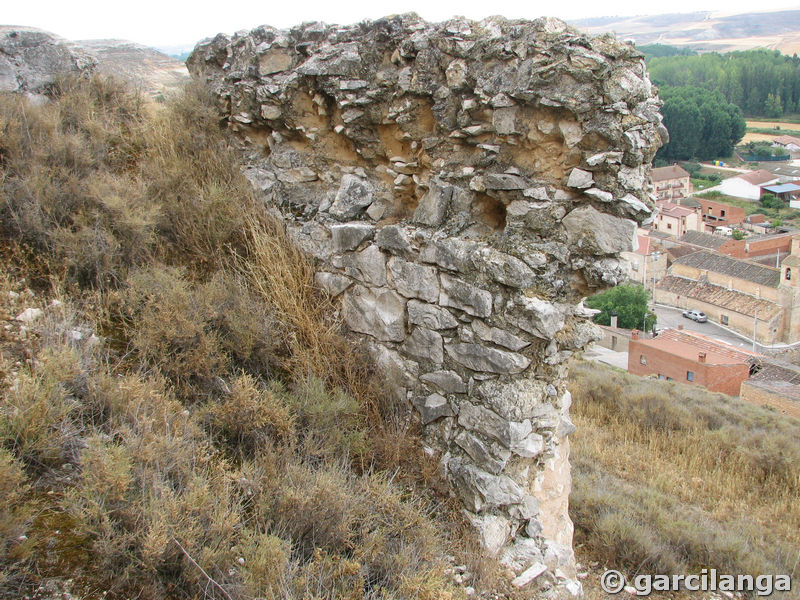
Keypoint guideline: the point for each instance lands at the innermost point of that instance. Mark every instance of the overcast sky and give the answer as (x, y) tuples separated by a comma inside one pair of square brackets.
[(181, 23)]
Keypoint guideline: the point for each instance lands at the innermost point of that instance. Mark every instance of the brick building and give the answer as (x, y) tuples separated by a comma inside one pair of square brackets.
[(670, 183), (699, 240), (676, 220), (692, 358), (716, 214), (750, 247)]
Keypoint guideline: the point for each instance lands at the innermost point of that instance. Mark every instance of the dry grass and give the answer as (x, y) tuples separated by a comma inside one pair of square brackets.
[(671, 478), (221, 439)]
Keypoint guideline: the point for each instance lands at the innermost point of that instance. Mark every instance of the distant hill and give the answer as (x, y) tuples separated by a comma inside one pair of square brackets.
[(706, 31), (151, 71)]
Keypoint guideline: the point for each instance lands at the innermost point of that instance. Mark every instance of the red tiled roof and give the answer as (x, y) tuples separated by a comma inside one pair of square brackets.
[(704, 240), (786, 139), (689, 344), (708, 260), (722, 297), (758, 177), (666, 173), (673, 210)]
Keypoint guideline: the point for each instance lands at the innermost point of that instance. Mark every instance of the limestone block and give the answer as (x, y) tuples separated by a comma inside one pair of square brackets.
[(354, 195), (493, 532), (504, 268), (504, 181), (424, 345), (274, 61), (498, 336), (430, 315), (505, 120), (349, 236), (475, 417), (413, 280), (332, 283), (433, 407), (464, 296), (367, 266), (376, 312), (433, 206), (600, 232), (536, 316), (480, 452), (449, 253), (394, 239), (480, 490), (478, 357), (578, 178), (446, 381)]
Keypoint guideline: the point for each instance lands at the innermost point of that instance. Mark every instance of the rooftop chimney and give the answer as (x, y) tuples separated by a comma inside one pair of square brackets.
[(701, 357), (635, 334), (613, 319)]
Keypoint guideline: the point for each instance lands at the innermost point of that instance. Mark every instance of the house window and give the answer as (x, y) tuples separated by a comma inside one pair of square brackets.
[(635, 266), (669, 225), (689, 375), (660, 376), (642, 359), (710, 210), (788, 274), (723, 319), (722, 213), (670, 379)]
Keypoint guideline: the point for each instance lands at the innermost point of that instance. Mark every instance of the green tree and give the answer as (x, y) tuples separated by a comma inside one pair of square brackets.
[(759, 82), (737, 235), (770, 201), (773, 107), (629, 301), (701, 124)]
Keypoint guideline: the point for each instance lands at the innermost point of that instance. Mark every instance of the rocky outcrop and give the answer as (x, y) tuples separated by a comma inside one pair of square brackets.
[(462, 186), (32, 59)]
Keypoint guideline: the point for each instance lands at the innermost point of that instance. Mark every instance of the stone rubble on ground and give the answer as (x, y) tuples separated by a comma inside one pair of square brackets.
[(462, 186)]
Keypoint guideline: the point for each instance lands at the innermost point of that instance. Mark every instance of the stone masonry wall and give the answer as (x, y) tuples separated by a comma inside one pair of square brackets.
[(462, 186)]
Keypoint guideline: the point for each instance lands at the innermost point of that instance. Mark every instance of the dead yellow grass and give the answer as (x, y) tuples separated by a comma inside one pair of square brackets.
[(225, 441), (757, 137), (758, 124), (673, 477)]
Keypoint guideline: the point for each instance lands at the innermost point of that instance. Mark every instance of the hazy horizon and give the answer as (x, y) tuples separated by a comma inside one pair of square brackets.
[(180, 25)]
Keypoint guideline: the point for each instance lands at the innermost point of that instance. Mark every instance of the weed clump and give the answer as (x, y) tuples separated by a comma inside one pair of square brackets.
[(187, 420)]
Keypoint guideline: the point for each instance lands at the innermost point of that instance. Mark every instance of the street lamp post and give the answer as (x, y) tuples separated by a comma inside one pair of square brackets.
[(654, 256)]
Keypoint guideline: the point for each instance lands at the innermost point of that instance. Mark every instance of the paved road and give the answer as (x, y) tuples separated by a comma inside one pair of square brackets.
[(672, 317)]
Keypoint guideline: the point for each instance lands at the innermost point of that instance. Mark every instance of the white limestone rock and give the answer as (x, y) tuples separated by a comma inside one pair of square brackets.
[(377, 312)]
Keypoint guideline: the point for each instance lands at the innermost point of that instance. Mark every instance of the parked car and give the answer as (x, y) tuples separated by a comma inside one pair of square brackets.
[(695, 315)]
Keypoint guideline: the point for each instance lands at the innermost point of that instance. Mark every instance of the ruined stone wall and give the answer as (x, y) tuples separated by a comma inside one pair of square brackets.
[(462, 186)]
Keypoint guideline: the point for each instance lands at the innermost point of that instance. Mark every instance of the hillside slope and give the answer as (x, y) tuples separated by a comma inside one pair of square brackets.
[(777, 30), (145, 68)]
